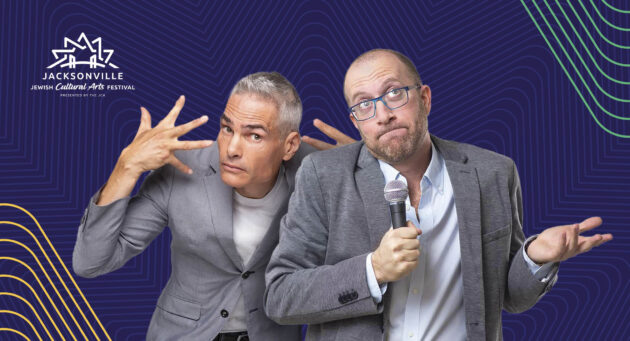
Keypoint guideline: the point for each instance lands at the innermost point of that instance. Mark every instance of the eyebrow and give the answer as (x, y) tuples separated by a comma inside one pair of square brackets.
[(385, 85), (255, 126), (246, 126)]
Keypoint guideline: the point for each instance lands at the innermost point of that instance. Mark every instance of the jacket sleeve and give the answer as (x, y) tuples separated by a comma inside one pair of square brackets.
[(112, 234), (523, 288), (301, 287)]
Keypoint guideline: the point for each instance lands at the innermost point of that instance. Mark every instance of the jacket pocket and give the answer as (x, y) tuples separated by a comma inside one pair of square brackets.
[(179, 306), (497, 234)]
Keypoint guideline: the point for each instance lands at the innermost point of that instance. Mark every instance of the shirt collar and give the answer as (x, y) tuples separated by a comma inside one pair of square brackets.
[(434, 173)]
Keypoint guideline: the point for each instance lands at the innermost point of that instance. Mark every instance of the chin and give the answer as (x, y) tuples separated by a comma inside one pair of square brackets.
[(233, 180)]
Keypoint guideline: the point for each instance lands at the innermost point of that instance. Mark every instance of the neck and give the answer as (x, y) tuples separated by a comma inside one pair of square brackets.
[(414, 167)]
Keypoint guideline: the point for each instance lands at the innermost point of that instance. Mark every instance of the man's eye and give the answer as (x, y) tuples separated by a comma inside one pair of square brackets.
[(365, 104), (256, 137), (227, 130), (394, 93)]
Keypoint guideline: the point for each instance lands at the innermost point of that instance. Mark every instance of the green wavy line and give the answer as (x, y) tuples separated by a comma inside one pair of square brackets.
[(575, 67), (606, 21), (597, 28), (593, 40), (615, 8), (566, 17), (580, 57), (570, 78)]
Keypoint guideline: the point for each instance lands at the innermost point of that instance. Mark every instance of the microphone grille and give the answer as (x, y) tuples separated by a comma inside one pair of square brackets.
[(396, 190)]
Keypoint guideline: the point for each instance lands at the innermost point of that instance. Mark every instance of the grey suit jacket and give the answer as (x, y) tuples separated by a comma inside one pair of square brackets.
[(337, 215), (207, 273)]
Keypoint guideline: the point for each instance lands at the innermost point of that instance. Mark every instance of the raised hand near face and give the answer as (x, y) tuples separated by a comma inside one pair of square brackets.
[(330, 131), (151, 148)]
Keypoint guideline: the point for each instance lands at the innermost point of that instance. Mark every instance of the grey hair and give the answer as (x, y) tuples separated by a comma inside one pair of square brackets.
[(274, 87)]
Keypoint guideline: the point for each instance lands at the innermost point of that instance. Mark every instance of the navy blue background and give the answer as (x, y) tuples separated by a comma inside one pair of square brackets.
[(495, 83)]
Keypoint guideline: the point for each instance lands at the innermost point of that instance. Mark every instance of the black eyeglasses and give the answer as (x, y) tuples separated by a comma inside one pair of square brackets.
[(393, 99)]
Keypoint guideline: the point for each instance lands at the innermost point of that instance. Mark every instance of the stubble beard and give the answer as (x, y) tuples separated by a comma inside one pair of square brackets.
[(399, 150)]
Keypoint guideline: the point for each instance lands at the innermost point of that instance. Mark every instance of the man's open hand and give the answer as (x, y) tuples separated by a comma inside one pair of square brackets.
[(559, 243), (153, 147), (330, 131)]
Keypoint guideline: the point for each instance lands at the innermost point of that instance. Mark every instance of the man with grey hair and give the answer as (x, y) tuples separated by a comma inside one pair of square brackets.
[(222, 203), (273, 86)]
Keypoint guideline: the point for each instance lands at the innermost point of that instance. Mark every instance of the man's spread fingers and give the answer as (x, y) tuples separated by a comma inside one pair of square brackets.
[(189, 145), (175, 162), (177, 108), (318, 144), (185, 128)]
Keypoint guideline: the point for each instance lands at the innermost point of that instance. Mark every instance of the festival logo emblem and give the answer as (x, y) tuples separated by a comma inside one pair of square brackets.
[(82, 60), (99, 58)]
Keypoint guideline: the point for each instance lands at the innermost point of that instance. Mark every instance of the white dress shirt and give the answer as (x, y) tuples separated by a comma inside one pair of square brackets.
[(428, 304)]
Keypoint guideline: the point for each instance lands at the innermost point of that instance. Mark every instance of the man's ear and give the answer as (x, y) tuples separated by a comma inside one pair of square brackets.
[(291, 145), (426, 98), (354, 121)]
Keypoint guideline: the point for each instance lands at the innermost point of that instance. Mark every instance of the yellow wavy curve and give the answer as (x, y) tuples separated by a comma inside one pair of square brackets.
[(11, 312), (37, 297), (43, 233), (28, 304), (49, 280), (14, 331)]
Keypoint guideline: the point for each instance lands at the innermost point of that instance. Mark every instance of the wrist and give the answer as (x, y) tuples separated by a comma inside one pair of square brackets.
[(119, 185), (125, 168), (377, 269), (529, 254)]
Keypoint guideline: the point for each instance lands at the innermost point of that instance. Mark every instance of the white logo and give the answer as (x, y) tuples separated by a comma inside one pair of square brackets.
[(64, 77), (96, 59)]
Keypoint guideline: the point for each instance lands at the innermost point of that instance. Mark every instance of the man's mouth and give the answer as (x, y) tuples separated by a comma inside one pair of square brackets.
[(393, 132), (231, 168)]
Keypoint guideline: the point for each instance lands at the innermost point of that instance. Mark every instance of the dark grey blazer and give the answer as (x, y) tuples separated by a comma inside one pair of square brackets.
[(207, 273), (338, 214)]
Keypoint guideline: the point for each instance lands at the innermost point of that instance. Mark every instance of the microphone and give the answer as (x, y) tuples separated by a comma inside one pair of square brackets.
[(396, 193)]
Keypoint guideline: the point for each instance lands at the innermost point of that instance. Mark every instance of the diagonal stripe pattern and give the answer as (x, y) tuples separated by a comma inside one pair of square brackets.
[(548, 24)]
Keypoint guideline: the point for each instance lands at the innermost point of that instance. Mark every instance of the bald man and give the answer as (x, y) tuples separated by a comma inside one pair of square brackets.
[(448, 274)]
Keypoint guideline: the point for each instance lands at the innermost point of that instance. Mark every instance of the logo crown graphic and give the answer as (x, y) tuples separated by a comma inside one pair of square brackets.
[(67, 54)]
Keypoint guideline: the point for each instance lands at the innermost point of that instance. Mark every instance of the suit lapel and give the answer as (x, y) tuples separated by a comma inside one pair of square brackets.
[(270, 240), (371, 183), (220, 199), (465, 183)]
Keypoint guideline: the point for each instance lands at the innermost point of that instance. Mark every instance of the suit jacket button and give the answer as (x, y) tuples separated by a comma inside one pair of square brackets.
[(224, 313), (245, 274)]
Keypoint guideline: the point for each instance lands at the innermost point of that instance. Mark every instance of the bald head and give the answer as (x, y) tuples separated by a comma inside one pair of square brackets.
[(371, 55)]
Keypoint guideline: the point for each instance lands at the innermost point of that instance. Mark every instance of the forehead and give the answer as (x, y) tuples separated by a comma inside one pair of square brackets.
[(369, 75), (249, 108)]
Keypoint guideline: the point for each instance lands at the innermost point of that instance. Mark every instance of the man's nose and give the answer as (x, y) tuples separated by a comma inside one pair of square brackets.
[(235, 149), (383, 113)]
